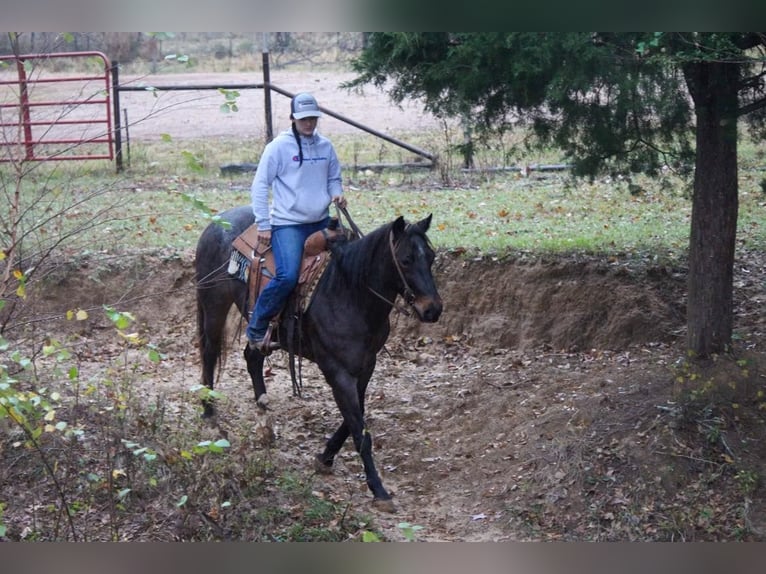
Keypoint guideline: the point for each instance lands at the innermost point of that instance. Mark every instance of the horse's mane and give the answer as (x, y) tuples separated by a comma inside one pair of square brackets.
[(359, 260)]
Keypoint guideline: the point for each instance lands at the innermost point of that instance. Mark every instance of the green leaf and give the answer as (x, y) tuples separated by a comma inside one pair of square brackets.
[(197, 204), (182, 501), (201, 447), (121, 320), (166, 138), (192, 161), (218, 220), (123, 493)]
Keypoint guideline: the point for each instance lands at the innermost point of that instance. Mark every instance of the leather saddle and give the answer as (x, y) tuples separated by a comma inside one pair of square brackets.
[(254, 264)]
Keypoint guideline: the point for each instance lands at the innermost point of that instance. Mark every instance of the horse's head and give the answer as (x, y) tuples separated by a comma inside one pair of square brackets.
[(413, 257)]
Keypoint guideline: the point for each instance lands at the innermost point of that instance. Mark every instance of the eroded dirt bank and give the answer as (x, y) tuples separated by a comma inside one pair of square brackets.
[(541, 406)]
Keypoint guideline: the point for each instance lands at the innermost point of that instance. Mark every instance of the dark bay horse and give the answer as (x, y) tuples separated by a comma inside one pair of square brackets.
[(342, 330)]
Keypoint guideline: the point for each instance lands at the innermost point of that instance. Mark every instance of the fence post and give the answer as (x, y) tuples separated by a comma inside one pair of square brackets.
[(116, 115), (25, 120), (267, 88)]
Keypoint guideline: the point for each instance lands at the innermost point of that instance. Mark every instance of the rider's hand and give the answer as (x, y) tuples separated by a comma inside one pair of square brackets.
[(264, 236), (340, 201)]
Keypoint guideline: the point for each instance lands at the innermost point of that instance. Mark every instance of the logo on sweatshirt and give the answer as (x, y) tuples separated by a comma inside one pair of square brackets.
[(312, 159)]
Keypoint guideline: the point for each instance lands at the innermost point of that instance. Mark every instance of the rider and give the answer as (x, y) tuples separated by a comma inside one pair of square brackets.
[(304, 174)]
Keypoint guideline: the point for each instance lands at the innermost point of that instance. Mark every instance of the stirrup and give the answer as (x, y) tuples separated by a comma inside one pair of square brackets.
[(265, 346)]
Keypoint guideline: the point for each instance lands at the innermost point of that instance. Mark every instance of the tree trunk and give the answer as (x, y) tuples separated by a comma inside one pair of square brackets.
[(713, 86)]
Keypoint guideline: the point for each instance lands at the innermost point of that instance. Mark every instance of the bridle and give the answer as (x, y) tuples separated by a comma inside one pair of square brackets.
[(407, 294)]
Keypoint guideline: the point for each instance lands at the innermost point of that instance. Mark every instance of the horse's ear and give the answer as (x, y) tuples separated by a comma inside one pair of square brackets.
[(398, 225), (424, 224)]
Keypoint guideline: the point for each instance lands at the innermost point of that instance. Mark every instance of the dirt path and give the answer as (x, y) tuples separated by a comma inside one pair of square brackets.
[(533, 410), (196, 114)]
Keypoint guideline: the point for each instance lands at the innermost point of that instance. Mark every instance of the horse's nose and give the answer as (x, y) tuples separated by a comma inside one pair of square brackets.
[(430, 310)]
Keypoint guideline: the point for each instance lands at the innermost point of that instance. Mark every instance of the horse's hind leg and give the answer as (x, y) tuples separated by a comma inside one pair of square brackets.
[(211, 320), (254, 360), (323, 462)]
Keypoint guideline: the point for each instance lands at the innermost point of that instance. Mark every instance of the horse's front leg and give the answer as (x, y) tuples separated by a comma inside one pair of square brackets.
[(254, 360), (323, 462), (346, 396)]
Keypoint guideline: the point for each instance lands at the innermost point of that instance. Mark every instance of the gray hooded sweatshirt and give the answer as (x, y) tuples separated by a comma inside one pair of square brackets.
[(300, 193)]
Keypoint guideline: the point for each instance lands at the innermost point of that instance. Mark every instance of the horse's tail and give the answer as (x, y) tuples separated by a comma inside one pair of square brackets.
[(200, 326)]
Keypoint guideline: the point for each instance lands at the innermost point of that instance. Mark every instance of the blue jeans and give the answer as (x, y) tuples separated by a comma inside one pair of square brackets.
[(287, 245)]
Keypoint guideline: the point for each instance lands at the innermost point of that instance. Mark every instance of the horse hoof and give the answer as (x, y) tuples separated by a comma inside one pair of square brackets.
[(210, 418), (321, 467), (384, 505), (263, 401)]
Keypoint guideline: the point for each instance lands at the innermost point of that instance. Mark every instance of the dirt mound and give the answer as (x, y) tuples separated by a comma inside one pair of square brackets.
[(571, 305), (562, 304)]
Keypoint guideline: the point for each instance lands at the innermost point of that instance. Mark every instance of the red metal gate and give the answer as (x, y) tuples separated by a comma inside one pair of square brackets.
[(49, 116)]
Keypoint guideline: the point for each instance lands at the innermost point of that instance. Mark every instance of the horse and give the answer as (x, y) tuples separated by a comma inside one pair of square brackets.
[(344, 327)]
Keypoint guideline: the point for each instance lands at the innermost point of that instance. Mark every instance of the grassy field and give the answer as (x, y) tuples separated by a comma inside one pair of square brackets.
[(497, 213), (486, 211)]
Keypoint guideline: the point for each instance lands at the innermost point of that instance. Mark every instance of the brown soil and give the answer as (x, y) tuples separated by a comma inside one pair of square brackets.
[(196, 114), (543, 405)]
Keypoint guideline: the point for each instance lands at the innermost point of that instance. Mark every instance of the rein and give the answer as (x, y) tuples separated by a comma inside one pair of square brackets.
[(354, 228), (409, 295)]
